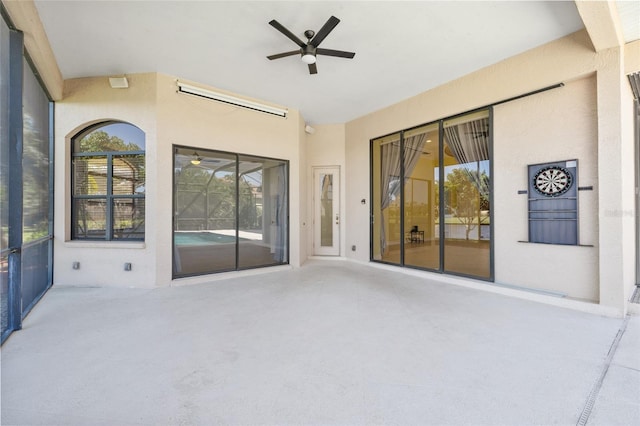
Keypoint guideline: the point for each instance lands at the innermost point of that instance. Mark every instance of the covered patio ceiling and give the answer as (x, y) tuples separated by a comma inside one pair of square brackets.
[(402, 48)]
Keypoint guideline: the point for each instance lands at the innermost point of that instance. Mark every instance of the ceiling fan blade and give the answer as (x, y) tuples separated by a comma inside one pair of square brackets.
[(284, 54), (278, 26), (324, 31), (338, 53), (313, 69)]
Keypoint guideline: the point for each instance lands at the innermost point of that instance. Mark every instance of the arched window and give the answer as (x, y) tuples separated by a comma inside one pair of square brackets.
[(108, 183)]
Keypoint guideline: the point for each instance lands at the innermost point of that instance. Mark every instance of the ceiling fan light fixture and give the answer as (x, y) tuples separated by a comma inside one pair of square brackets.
[(309, 54), (309, 58), (196, 159)]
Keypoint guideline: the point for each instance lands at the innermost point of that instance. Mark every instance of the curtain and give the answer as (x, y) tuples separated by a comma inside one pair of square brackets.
[(281, 215), (413, 149), (469, 143), (391, 164)]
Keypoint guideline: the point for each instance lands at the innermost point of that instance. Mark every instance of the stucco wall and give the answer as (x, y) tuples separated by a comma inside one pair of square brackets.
[(325, 147), (198, 122), (571, 60), (557, 125), (167, 117), (87, 101)]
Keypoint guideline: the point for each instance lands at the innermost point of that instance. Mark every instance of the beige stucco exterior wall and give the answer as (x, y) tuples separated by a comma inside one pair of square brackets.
[(325, 147), (557, 125), (570, 59), (167, 118), (616, 179), (202, 123), (87, 101), (632, 57)]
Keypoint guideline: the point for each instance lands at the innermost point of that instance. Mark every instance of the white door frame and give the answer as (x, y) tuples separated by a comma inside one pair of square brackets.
[(318, 248)]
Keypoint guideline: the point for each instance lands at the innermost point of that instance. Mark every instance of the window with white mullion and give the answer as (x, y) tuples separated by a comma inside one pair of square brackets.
[(108, 183)]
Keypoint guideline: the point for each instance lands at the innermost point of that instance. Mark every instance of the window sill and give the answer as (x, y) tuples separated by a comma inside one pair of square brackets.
[(106, 244), (556, 244)]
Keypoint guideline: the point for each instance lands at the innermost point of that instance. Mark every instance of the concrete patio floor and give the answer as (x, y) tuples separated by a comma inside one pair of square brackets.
[(333, 342)]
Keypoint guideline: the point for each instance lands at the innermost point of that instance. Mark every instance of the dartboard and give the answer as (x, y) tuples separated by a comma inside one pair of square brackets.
[(552, 181)]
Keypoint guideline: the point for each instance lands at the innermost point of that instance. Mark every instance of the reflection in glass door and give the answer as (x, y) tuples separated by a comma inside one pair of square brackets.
[(262, 212), (326, 241), (466, 195), (421, 203), (326, 210), (205, 212), (230, 212), (386, 167)]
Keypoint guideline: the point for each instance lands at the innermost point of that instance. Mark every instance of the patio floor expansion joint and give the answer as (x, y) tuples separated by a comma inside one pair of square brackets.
[(588, 406)]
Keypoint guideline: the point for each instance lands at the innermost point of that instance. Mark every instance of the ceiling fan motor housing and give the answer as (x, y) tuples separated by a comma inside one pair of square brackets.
[(309, 49)]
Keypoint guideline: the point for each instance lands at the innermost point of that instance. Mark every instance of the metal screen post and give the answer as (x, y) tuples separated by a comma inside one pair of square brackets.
[(16, 40)]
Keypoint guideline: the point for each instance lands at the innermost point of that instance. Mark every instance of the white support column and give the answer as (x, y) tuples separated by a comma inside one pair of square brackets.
[(615, 181)]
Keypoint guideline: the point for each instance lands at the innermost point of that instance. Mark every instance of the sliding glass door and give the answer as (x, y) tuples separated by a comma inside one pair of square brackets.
[(386, 169), (230, 212), (421, 201), (431, 192), (204, 228), (467, 183), (262, 215)]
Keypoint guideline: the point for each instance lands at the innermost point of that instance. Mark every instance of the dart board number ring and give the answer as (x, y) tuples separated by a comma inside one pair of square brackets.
[(552, 181)]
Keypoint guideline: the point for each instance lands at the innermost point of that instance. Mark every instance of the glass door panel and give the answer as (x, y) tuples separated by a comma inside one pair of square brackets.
[(326, 214), (386, 219), (204, 228), (326, 210), (466, 195), (230, 212), (262, 212), (421, 201)]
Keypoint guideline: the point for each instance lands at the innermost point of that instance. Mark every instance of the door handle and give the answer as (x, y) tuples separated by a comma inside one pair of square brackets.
[(337, 219)]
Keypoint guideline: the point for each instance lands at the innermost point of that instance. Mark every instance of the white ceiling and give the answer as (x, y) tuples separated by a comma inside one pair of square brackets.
[(629, 13), (402, 48)]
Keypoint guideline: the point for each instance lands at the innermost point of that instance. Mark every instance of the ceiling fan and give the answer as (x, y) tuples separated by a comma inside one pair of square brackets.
[(310, 49)]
